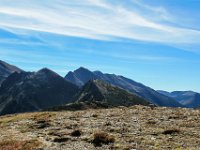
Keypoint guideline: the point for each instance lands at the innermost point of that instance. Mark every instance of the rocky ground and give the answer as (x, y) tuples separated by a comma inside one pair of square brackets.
[(136, 127)]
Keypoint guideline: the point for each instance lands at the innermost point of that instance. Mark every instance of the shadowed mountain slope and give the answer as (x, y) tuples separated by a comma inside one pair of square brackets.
[(33, 91), (97, 94), (99, 91)]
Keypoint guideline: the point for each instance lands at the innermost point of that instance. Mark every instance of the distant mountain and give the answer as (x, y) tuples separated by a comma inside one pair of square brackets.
[(80, 76), (33, 91), (187, 98), (7, 69)]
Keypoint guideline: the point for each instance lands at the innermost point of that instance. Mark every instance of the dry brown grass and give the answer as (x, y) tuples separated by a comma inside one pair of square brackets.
[(137, 127), (19, 145), (34, 116)]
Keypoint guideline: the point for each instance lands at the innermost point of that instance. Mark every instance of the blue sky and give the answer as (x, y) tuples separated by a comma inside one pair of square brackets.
[(154, 42)]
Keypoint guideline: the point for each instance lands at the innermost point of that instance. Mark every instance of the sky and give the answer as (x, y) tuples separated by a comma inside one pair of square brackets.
[(154, 42)]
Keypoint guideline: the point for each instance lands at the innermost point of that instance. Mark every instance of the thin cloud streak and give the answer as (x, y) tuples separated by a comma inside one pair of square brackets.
[(44, 59), (94, 19), (163, 13)]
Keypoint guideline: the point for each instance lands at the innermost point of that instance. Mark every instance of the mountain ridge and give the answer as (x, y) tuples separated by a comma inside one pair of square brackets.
[(189, 99), (97, 94), (34, 91), (84, 75), (98, 90)]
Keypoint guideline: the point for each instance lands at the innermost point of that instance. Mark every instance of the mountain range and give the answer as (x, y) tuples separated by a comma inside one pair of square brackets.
[(186, 98), (22, 91), (82, 75)]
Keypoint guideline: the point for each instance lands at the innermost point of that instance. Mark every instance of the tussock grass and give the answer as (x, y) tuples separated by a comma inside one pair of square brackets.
[(100, 138)]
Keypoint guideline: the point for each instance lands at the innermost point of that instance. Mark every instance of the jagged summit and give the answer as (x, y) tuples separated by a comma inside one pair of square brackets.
[(47, 71), (80, 76), (81, 69)]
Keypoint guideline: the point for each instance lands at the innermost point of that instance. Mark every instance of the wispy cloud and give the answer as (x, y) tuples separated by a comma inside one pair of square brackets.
[(155, 12), (97, 19)]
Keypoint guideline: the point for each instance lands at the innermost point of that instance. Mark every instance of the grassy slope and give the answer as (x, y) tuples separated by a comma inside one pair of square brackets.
[(136, 127)]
